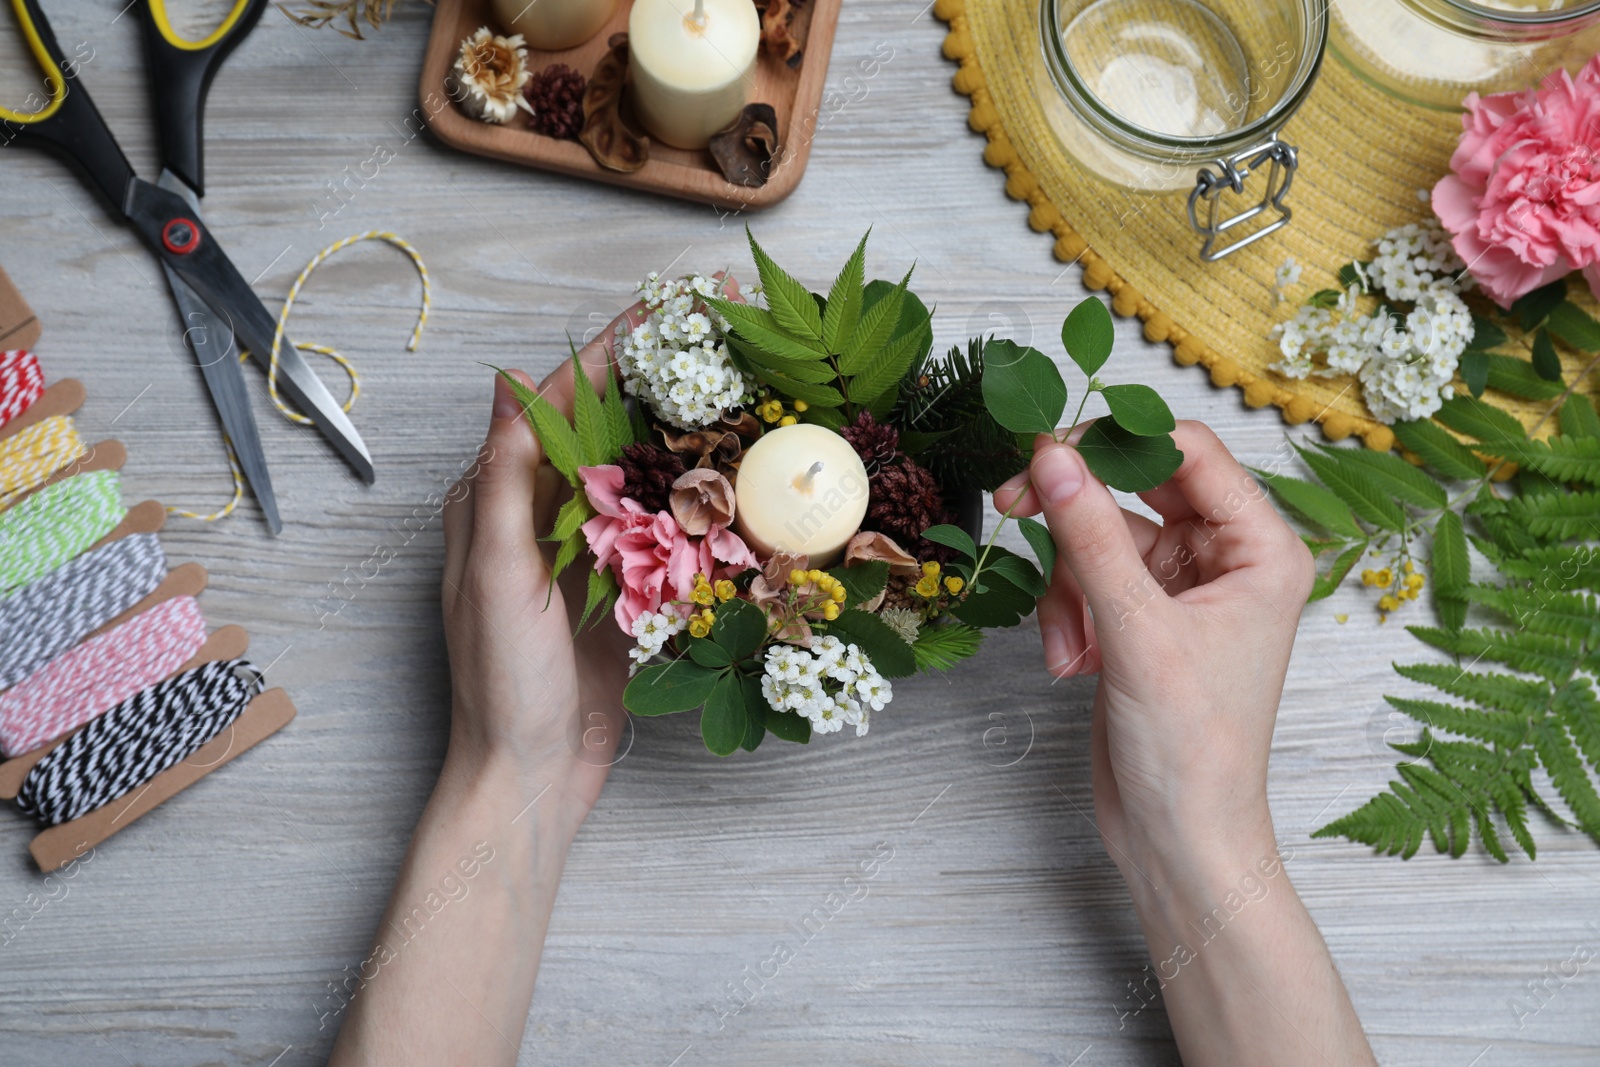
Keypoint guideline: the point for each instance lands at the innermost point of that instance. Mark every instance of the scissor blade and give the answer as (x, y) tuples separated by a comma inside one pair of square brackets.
[(212, 275), (214, 350)]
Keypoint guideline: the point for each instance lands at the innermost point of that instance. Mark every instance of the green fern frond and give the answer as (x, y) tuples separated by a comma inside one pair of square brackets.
[(1489, 690), (1548, 656), (1560, 458), (1543, 611), (1557, 514)]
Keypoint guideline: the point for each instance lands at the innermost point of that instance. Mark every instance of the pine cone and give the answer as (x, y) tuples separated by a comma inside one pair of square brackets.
[(877, 444), (647, 475), (556, 96), (904, 499)]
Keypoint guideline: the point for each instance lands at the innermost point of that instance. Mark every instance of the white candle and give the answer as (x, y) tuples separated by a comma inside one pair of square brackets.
[(800, 489), (690, 63), (554, 24)]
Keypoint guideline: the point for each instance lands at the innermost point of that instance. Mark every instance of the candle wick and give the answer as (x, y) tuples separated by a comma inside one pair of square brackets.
[(804, 483), (697, 18), (812, 472)]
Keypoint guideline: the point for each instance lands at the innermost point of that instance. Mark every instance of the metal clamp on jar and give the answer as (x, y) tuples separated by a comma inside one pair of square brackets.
[(1160, 96)]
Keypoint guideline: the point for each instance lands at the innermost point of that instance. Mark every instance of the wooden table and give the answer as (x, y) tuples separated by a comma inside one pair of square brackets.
[(217, 929)]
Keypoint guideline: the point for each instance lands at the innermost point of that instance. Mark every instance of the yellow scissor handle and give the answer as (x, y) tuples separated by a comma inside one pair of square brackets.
[(53, 79), (158, 13)]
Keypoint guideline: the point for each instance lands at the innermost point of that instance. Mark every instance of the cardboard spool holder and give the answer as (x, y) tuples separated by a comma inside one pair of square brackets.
[(270, 711)]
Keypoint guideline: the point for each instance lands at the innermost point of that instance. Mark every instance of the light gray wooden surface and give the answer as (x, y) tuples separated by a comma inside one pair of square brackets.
[(213, 930)]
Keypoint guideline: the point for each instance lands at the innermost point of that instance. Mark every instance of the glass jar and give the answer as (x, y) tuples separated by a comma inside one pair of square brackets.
[(1165, 95), (1434, 52)]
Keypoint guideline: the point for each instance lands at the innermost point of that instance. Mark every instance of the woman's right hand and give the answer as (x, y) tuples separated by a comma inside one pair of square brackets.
[(1189, 623)]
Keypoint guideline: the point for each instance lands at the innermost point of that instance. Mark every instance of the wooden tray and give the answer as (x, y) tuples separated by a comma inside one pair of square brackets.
[(795, 95)]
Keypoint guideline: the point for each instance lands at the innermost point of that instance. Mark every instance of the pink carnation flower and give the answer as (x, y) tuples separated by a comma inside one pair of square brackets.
[(1523, 203), (654, 560)]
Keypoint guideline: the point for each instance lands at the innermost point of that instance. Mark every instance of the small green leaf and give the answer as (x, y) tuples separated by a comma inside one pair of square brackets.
[(1466, 415), (1325, 584), (589, 419), (1578, 418), (1474, 368), (1043, 544), (1546, 364), (844, 299), (740, 628), (1324, 298), (601, 594), (1349, 275), (1439, 450), (954, 537), (1088, 335), (665, 688), (862, 581), (1574, 326), (790, 302), (754, 721), (1485, 335), (573, 514), (556, 435), (564, 557), (1352, 484), (1520, 378), (1139, 409), (1022, 388), (886, 649), (998, 604), (1016, 570), (1531, 309), (619, 428), (818, 396), (1126, 461), (1400, 479), (786, 725), (1452, 571), (722, 720), (708, 653), (758, 362), (1313, 503)]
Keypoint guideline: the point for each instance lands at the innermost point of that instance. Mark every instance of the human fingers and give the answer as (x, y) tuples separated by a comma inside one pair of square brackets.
[(1211, 487), (1091, 532), (503, 485)]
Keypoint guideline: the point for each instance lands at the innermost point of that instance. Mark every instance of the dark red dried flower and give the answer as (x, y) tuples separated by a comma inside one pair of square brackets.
[(876, 443), (903, 500), (648, 473), (556, 96)]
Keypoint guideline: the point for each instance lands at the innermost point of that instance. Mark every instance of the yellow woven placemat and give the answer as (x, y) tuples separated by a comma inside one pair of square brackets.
[(1363, 158)]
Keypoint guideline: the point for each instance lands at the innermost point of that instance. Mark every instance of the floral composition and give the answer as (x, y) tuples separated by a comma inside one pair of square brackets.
[(785, 596)]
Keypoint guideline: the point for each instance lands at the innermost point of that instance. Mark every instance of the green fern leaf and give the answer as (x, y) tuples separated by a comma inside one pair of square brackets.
[(619, 428), (1551, 658), (1519, 378), (884, 370), (1313, 503), (791, 303), (1557, 515), (1399, 478), (556, 435), (873, 330), (1556, 567), (763, 332), (1579, 711), (1489, 690), (1352, 484), (1495, 727), (940, 647), (1566, 770), (1452, 570), (1543, 611), (1439, 450), (1578, 418), (589, 420), (1469, 415)]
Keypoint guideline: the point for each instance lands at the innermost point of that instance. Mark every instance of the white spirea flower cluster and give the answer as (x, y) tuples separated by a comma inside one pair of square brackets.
[(797, 680), (652, 630), (676, 359), (1405, 365)]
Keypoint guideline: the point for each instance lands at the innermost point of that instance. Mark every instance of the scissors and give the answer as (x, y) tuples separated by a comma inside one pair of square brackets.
[(217, 304)]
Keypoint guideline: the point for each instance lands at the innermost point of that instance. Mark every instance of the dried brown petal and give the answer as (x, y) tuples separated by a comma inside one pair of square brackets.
[(869, 547), (770, 588), (713, 447), (613, 145), (488, 76), (702, 499), (784, 26), (745, 150)]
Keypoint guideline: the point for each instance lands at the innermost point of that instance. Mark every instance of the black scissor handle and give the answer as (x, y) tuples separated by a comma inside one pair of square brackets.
[(180, 72), (69, 120)]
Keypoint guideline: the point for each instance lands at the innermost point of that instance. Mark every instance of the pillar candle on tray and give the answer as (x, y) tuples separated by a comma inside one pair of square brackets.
[(691, 64), (553, 25), (800, 489)]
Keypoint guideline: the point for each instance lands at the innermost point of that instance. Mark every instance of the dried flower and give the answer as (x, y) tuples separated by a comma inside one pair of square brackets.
[(903, 621), (870, 546), (556, 96), (647, 475), (489, 75), (702, 499)]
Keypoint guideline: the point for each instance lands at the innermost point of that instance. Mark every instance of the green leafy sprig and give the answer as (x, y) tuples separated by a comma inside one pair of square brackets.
[(600, 429)]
